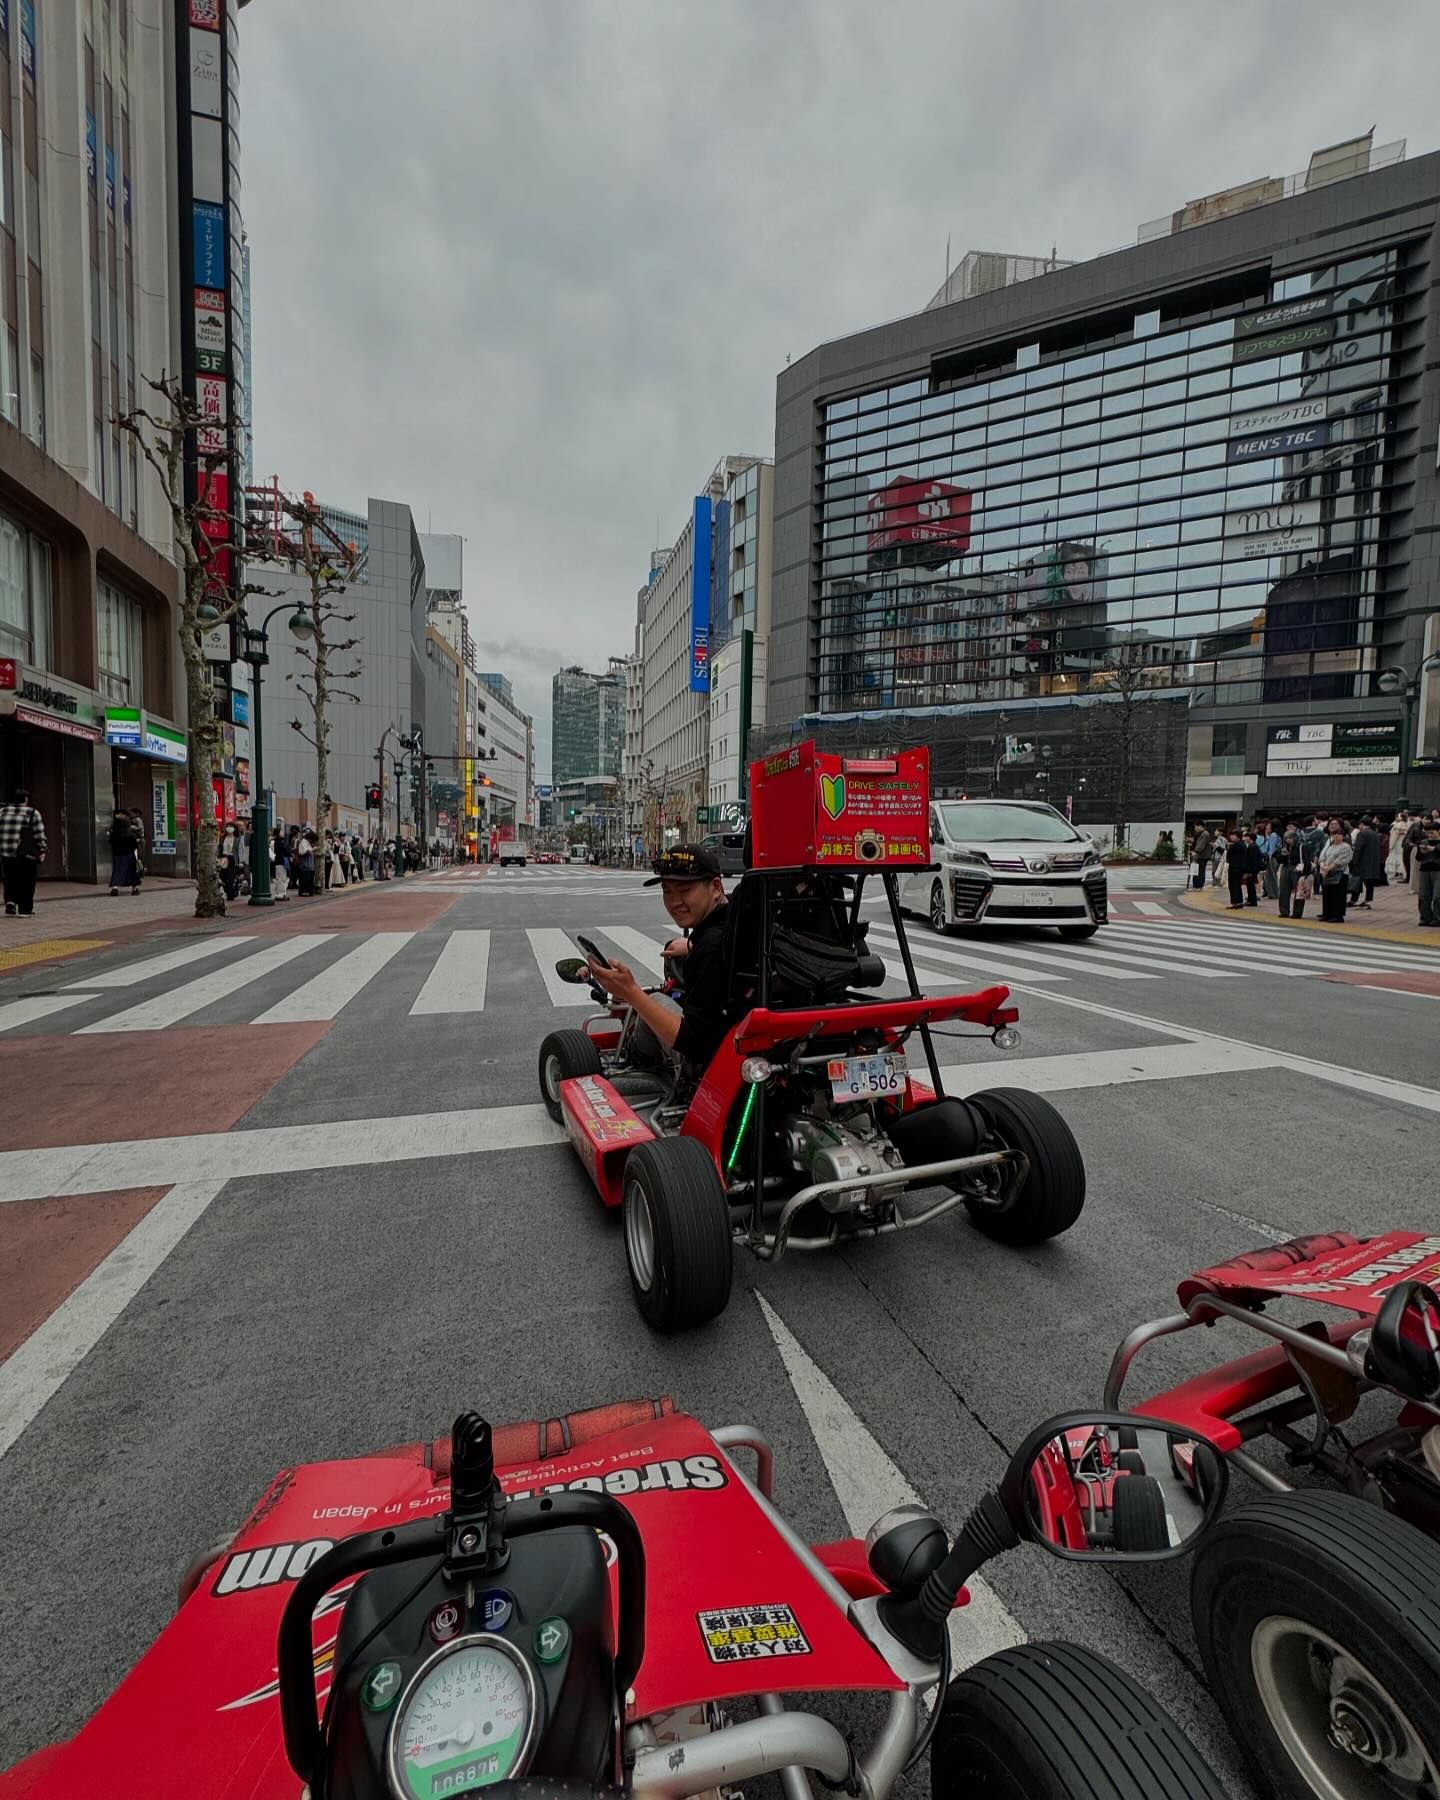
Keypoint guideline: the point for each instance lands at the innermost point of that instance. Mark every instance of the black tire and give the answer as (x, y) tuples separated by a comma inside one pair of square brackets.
[(1132, 1462), (1335, 1566), (1052, 1196), (1077, 932), (1137, 1514), (1128, 1438), (938, 917), (564, 1055), (677, 1234), (1057, 1722)]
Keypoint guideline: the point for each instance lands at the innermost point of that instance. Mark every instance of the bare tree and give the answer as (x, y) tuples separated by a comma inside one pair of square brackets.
[(1124, 732), (168, 434), (303, 537)]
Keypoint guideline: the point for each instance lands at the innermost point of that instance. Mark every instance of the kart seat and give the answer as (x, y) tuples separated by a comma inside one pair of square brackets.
[(540, 1440), (815, 952)]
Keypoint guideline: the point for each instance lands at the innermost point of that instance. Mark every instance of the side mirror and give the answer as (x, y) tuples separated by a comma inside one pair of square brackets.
[(1105, 1487), (1404, 1348), (573, 968)]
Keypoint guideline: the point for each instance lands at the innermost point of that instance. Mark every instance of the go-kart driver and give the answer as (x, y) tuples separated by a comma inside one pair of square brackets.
[(694, 895)]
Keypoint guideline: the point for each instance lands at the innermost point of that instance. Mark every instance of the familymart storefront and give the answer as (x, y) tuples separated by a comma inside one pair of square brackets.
[(148, 756)]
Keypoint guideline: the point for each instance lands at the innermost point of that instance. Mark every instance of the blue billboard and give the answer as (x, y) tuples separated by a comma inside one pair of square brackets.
[(700, 597)]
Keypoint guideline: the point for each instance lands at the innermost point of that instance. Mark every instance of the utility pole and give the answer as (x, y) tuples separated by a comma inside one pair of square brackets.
[(747, 672)]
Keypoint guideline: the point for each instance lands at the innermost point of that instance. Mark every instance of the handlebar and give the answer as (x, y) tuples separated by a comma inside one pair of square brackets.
[(295, 1656)]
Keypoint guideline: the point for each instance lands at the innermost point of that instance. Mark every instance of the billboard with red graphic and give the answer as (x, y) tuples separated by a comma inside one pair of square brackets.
[(917, 521)]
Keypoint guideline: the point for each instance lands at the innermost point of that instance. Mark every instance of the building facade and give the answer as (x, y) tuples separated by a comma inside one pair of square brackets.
[(740, 605), (388, 600), (91, 685), (587, 722), (510, 732), (1195, 478)]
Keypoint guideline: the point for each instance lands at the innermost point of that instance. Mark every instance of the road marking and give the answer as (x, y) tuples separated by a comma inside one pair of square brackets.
[(549, 946), (1270, 939), (38, 1006), (191, 996), (950, 979), (1271, 1232), (457, 982), (637, 946), (134, 973), (50, 1355), (867, 1484), (1151, 908), (327, 993), (1077, 1069), (1302, 957), (1007, 955), (1374, 987)]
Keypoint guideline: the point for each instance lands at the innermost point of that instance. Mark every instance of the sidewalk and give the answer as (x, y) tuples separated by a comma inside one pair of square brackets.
[(72, 918), (1393, 919)]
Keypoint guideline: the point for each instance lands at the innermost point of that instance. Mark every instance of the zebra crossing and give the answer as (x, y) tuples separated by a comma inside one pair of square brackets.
[(318, 976)]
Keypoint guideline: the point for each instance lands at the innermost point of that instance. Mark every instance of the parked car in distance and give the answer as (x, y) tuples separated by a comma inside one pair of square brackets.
[(728, 848), (1008, 862)]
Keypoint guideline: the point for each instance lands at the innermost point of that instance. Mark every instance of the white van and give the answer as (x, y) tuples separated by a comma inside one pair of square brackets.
[(1008, 862)]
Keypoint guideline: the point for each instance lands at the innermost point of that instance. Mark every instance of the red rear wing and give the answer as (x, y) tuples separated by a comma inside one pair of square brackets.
[(763, 1027), (1334, 1269)]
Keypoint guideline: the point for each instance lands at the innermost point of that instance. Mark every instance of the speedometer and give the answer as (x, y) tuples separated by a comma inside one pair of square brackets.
[(467, 1718)]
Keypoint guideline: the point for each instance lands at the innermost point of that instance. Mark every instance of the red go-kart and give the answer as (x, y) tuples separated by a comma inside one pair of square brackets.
[(1317, 1612), (1095, 1490), (809, 1127), (601, 1605)]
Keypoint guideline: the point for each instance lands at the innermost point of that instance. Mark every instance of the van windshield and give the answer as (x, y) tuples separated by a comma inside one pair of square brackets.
[(1008, 824)]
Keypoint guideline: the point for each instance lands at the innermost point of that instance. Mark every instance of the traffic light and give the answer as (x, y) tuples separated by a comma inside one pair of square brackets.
[(372, 797)]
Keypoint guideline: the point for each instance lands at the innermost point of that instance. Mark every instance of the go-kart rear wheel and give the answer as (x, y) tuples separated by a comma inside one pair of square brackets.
[(1318, 1621), (564, 1055), (1057, 1722), (1137, 1514), (677, 1234), (1131, 1461), (1052, 1195)]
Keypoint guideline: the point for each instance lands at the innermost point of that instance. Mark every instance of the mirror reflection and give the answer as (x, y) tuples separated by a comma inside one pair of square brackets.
[(1100, 1490), (573, 968)]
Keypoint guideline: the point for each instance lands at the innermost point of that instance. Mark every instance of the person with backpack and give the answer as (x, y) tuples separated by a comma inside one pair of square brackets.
[(22, 850), (124, 853)]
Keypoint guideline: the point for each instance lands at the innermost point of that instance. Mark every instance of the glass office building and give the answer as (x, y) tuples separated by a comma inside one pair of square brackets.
[(1185, 518)]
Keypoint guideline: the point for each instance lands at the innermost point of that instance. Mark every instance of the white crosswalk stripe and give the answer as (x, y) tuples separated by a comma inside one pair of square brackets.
[(1269, 947), (37, 1006), (1001, 956), (637, 947), (132, 974), (944, 968), (548, 945), (181, 1002), (334, 988), (457, 982)]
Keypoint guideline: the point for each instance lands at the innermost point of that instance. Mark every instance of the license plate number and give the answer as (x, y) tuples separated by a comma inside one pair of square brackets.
[(864, 1077), (1039, 897)]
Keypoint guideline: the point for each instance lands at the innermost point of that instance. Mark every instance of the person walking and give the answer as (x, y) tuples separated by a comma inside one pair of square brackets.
[(124, 853), (1367, 863), (1293, 873), (227, 861), (1201, 845), (1427, 871), (1333, 865), (22, 850)]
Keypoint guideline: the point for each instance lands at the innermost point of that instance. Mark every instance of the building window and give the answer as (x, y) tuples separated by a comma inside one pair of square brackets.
[(24, 594), (1227, 750), (10, 375), (119, 636)]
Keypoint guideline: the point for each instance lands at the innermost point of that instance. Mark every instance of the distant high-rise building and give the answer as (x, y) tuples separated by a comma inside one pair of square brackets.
[(587, 723)]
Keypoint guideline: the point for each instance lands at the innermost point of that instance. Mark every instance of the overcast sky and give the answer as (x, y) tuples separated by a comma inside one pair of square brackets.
[(531, 266)]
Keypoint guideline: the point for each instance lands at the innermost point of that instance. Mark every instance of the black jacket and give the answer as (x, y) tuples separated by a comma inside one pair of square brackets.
[(1368, 862), (706, 991)]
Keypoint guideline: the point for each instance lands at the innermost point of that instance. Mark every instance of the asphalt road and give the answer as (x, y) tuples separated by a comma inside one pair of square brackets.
[(381, 1231)]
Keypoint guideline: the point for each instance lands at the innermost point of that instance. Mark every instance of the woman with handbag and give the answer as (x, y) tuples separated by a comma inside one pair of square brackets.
[(1292, 874), (1334, 870)]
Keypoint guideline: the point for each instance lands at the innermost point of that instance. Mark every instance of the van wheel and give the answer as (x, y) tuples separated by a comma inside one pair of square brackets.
[(939, 918)]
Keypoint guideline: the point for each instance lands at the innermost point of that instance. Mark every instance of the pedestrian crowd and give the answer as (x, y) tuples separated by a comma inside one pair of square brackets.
[(1337, 860)]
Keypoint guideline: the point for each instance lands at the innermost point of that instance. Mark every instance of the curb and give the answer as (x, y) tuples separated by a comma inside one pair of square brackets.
[(1194, 901)]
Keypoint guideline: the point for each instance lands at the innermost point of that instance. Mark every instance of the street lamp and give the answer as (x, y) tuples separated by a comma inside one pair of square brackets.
[(1398, 680), (256, 652)]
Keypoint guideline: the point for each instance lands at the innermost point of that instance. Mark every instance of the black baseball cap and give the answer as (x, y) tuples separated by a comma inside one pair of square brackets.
[(686, 862)]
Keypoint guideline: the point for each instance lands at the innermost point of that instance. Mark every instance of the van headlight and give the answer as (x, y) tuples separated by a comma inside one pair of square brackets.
[(1093, 860)]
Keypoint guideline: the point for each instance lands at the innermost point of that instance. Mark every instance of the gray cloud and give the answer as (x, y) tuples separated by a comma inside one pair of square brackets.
[(532, 265)]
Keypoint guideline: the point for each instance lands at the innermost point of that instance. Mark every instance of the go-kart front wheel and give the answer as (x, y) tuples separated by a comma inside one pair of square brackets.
[(1052, 1195), (1317, 1616), (1137, 1514), (563, 1056), (1057, 1722), (677, 1234)]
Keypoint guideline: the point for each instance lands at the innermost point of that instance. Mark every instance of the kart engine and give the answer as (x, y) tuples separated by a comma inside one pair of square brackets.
[(823, 1149)]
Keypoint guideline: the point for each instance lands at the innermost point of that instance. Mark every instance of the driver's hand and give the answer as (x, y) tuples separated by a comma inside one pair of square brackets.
[(677, 947), (618, 981)]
